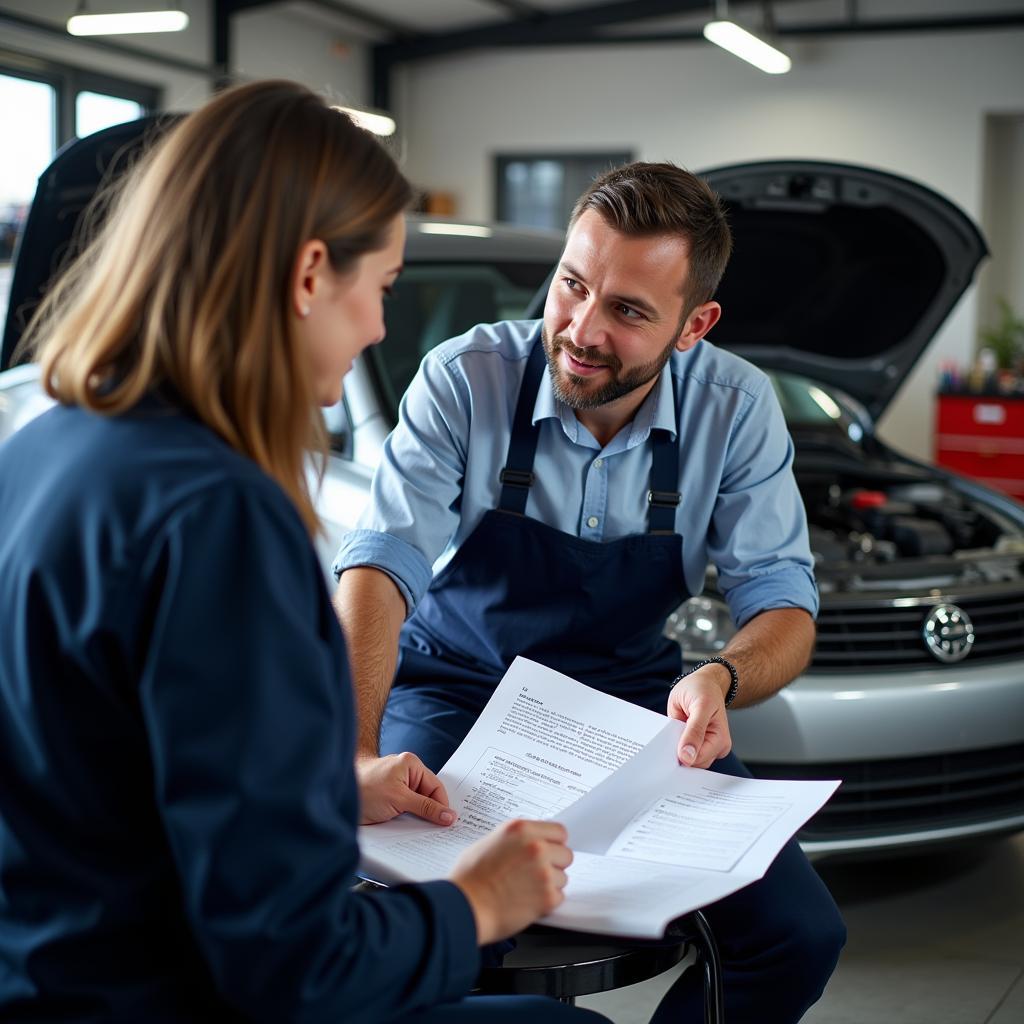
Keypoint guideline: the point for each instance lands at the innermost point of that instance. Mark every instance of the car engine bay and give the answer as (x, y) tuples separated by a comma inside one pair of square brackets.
[(897, 527)]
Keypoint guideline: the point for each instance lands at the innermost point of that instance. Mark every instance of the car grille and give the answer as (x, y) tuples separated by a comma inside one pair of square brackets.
[(913, 794), (886, 634)]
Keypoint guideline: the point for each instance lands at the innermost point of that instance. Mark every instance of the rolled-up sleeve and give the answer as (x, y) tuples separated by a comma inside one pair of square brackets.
[(758, 534), (413, 510)]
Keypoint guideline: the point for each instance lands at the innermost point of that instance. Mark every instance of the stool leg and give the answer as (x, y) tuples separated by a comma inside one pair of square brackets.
[(711, 963)]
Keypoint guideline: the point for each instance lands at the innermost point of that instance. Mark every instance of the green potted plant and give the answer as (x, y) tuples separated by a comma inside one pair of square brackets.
[(1006, 337)]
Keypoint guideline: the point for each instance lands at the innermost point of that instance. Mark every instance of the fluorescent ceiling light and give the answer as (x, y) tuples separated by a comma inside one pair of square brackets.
[(745, 45), (379, 124), (442, 228), (125, 24)]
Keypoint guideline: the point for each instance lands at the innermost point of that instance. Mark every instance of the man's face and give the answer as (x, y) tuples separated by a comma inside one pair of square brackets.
[(614, 312)]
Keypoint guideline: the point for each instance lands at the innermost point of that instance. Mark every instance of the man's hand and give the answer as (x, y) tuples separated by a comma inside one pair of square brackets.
[(699, 701), (513, 876), (388, 786)]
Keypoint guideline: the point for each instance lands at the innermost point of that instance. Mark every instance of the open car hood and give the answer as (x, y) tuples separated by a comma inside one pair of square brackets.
[(839, 273)]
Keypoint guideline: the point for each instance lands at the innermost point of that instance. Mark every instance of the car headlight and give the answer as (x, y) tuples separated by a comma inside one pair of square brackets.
[(701, 626)]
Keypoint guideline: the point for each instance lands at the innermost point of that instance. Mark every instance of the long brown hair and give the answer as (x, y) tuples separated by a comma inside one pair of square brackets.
[(185, 289)]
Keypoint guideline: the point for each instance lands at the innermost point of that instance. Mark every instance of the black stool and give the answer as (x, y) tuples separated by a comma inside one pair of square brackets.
[(564, 964)]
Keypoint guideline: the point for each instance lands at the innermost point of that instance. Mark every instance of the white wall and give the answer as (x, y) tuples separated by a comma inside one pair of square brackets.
[(915, 104), (1003, 216), (277, 41)]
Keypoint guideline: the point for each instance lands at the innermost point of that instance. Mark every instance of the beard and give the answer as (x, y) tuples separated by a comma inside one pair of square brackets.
[(584, 392)]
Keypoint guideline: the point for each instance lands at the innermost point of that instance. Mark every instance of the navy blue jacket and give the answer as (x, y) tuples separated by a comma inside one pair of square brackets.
[(177, 802)]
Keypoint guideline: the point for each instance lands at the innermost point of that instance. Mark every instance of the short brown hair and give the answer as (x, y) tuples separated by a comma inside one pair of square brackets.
[(647, 199), (186, 287)]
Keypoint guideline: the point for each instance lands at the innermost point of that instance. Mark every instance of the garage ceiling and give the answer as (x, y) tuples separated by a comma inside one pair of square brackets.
[(401, 31), (410, 30), (390, 20)]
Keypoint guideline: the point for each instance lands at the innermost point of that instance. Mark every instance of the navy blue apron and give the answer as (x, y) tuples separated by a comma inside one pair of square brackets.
[(596, 612), (592, 610)]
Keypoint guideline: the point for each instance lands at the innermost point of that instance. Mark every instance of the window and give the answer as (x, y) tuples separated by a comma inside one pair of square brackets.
[(42, 106), (540, 190), (28, 114), (95, 111)]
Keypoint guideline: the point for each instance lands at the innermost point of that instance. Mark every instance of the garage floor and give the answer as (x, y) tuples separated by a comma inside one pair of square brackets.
[(932, 940)]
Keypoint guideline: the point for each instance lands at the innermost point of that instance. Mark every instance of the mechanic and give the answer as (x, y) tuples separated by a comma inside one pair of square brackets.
[(179, 805), (555, 490)]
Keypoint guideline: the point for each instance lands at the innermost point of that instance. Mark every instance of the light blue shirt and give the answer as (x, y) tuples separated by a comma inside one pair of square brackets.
[(438, 475)]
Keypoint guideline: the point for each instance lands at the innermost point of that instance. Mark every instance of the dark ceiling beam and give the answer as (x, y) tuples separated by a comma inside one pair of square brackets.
[(49, 28), (883, 26), (380, 80), (880, 26), (542, 29), (536, 30), (577, 27), (546, 28), (220, 43)]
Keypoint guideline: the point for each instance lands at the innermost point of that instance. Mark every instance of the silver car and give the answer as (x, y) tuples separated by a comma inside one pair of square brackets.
[(915, 697)]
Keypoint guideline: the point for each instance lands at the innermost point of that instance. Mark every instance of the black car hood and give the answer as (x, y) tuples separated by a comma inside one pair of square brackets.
[(839, 273)]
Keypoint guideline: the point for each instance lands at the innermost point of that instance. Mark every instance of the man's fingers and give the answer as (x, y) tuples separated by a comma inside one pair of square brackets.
[(716, 743), (693, 737), (705, 758), (715, 746), (428, 784), (675, 708), (430, 810)]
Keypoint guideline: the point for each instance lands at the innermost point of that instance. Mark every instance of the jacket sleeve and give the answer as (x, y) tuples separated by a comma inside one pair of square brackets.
[(246, 700)]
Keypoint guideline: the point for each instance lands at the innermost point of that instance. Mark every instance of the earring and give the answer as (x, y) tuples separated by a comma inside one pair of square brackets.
[(304, 312)]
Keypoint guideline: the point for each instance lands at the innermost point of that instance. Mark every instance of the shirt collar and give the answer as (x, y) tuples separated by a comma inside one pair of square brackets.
[(657, 412)]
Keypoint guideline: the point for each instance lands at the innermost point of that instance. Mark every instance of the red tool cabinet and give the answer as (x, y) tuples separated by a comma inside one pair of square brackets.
[(982, 437)]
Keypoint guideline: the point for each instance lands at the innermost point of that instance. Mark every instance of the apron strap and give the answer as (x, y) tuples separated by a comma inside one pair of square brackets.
[(663, 498), (517, 476)]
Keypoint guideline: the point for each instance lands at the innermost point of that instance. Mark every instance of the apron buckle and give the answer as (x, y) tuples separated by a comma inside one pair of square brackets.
[(663, 499), (516, 477)]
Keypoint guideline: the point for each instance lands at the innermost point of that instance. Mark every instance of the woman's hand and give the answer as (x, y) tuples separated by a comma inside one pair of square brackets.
[(513, 876)]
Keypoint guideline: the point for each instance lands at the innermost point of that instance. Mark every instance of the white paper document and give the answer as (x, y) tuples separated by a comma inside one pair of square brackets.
[(652, 840)]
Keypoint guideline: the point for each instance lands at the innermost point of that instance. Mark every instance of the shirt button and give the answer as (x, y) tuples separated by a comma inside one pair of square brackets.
[(592, 521), (598, 463)]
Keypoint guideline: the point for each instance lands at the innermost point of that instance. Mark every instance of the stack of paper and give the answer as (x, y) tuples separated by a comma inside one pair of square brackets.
[(652, 839)]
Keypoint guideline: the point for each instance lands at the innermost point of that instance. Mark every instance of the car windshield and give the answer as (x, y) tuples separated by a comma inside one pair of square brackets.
[(436, 301), (809, 406)]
